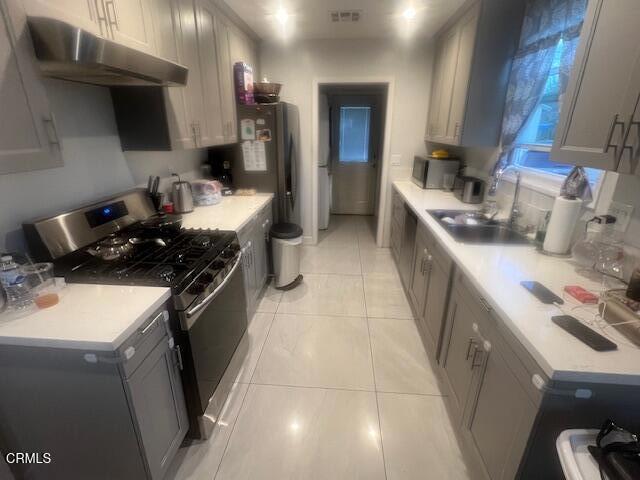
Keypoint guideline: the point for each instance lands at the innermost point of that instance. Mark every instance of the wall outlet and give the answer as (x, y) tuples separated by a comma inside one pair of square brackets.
[(623, 213), (396, 159)]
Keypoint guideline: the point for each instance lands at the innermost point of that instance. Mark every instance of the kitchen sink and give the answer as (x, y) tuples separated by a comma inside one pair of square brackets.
[(474, 227)]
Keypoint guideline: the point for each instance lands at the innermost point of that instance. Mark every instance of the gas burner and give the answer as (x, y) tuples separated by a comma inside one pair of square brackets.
[(201, 241), (166, 273)]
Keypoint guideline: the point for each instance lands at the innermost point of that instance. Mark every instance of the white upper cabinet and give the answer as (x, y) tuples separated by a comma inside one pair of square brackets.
[(602, 96), (81, 13), (28, 135), (169, 42), (444, 77), (210, 130), (469, 85), (130, 23), (225, 71)]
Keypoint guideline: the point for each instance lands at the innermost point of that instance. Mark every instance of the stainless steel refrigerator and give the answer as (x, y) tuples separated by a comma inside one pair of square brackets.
[(268, 155)]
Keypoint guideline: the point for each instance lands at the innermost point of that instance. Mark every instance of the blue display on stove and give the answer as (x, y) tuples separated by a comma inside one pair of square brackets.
[(106, 213)]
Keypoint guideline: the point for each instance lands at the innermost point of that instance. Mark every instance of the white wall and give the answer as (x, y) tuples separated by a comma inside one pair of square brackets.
[(94, 164), (297, 65)]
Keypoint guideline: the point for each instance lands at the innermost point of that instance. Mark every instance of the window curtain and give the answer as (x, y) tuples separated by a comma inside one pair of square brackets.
[(546, 22)]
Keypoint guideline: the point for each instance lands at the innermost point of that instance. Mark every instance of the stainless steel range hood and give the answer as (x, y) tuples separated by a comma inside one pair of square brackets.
[(71, 53)]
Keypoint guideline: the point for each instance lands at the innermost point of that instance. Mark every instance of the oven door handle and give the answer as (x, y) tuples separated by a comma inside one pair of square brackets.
[(191, 312)]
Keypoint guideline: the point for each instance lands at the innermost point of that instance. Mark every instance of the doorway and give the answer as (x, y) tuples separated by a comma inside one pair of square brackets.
[(351, 129)]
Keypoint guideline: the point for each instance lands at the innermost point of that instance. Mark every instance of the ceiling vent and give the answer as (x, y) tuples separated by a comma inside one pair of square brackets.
[(348, 16)]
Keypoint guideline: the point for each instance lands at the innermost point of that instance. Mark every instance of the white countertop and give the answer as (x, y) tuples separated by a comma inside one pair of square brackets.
[(232, 213), (496, 272), (100, 317), (92, 317)]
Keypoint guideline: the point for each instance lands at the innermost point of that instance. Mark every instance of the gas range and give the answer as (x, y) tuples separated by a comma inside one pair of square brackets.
[(203, 268), (174, 262)]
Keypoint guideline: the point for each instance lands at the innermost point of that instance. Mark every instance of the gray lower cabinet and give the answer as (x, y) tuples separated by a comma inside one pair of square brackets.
[(491, 397), (429, 292), (253, 238), (159, 407), (398, 214), (500, 418), (107, 415)]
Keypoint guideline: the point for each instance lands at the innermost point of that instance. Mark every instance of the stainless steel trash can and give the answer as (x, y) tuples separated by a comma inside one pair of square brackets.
[(286, 239)]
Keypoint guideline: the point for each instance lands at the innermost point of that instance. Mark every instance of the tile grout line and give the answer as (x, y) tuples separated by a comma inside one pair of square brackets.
[(233, 429), (373, 368), (235, 421)]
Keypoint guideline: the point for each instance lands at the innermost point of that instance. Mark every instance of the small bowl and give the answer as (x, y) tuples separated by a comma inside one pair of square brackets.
[(267, 88)]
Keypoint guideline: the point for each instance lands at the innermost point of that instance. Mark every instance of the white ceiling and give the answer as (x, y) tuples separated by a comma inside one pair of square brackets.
[(311, 19)]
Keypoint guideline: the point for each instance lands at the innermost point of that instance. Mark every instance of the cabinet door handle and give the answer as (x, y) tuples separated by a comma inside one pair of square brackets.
[(101, 15), (475, 363), (52, 131), (614, 123), (625, 139), (485, 304), (472, 343), (112, 17), (178, 351)]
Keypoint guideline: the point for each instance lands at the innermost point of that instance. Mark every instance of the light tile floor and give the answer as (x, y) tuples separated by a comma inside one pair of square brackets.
[(336, 383)]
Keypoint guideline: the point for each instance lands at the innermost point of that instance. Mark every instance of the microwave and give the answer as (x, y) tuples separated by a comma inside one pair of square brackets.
[(429, 172)]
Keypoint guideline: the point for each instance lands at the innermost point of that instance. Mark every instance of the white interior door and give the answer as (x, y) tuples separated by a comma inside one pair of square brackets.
[(355, 126)]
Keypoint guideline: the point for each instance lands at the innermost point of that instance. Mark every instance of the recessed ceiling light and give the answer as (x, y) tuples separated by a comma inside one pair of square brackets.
[(409, 13), (282, 16)]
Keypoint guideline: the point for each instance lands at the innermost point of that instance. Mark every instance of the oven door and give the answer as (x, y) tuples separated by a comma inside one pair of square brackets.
[(214, 328)]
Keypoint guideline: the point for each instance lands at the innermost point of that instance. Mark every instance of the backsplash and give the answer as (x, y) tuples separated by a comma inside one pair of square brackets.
[(480, 161), (94, 164)]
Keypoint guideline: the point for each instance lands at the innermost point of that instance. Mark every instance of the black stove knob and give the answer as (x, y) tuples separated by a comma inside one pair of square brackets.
[(198, 288), (227, 253), (217, 265), (235, 247), (205, 278)]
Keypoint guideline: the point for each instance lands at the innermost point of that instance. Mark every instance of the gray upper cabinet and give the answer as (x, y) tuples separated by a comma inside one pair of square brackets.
[(602, 95), (28, 135), (473, 52)]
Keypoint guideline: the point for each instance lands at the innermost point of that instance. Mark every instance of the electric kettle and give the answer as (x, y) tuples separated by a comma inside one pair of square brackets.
[(182, 196)]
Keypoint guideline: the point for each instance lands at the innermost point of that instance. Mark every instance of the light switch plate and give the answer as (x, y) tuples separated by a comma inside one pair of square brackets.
[(396, 159), (623, 213)]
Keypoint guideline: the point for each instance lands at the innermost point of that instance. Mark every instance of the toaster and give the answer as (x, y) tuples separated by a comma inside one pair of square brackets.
[(468, 189)]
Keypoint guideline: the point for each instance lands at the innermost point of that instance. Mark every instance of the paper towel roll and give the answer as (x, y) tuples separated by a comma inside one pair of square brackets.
[(564, 217)]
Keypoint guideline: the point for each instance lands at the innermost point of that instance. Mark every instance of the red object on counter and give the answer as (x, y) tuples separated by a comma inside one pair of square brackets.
[(580, 294), (167, 207)]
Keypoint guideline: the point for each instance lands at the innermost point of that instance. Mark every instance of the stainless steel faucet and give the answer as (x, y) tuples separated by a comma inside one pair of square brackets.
[(497, 178)]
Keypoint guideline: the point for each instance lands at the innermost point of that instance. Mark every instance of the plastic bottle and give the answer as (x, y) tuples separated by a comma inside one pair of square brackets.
[(15, 285)]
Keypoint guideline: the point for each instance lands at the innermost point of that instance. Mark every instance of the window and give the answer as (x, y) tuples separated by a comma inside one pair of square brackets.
[(531, 148), (354, 134)]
